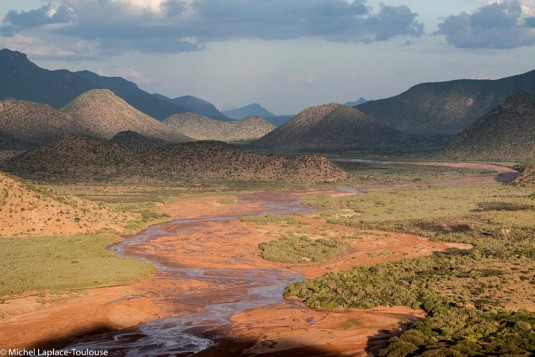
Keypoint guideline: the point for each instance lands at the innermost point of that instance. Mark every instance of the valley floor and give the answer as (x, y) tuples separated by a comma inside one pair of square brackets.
[(212, 282)]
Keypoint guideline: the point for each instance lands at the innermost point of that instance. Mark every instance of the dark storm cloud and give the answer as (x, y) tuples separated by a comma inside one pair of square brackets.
[(391, 19), (182, 25), (46, 15), (498, 25)]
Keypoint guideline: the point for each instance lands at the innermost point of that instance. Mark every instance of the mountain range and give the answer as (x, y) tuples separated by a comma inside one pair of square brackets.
[(507, 132), (256, 109), (445, 107), (199, 127), (51, 104), (331, 127), (22, 79)]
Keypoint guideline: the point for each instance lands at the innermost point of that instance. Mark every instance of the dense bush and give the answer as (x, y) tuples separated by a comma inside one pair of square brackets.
[(301, 249), (467, 332)]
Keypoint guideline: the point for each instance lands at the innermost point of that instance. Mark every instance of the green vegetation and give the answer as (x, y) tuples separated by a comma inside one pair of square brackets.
[(460, 332), (63, 263), (465, 292), (264, 219), (301, 249), (400, 173), (410, 283), (425, 202)]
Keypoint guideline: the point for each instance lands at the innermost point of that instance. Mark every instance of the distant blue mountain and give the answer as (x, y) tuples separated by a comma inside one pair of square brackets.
[(359, 101), (197, 105), (248, 110)]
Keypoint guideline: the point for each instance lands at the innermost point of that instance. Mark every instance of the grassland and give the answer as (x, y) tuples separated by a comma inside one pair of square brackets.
[(34, 262), (399, 173), (470, 295), (64, 263)]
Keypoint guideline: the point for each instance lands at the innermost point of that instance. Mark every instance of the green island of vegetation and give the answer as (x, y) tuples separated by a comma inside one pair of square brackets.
[(301, 249)]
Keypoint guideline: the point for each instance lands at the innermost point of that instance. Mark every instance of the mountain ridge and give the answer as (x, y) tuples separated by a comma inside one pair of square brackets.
[(445, 107), (22, 79), (507, 132), (29, 210)]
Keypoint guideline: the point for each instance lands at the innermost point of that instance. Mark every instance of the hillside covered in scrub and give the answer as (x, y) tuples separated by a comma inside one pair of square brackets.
[(445, 107), (29, 210), (105, 114), (199, 127), (81, 158), (330, 126), (507, 132), (24, 123)]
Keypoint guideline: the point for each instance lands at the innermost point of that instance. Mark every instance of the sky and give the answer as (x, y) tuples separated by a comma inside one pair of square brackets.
[(284, 54)]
